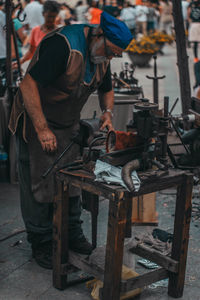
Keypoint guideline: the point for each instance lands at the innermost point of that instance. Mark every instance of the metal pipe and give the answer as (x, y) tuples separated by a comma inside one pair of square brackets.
[(127, 171)]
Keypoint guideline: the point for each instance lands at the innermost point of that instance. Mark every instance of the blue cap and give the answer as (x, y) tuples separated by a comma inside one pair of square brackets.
[(115, 30)]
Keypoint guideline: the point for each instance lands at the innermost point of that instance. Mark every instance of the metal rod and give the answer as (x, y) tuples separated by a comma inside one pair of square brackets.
[(177, 132), (118, 102), (173, 106), (155, 79), (44, 175), (166, 106)]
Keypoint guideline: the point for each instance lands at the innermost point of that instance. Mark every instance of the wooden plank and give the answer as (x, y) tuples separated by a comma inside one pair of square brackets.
[(143, 280), (96, 188), (159, 184), (114, 248), (84, 263), (155, 256), (93, 264), (128, 215), (144, 209), (60, 240), (181, 235)]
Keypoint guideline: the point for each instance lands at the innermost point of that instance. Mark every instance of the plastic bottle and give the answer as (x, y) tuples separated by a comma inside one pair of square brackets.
[(3, 165)]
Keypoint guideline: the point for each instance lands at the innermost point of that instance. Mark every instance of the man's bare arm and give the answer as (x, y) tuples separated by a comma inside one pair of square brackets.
[(33, 107), (106, 101)]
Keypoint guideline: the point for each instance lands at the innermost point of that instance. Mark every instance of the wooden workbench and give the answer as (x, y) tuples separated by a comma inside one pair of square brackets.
[(119, 227)]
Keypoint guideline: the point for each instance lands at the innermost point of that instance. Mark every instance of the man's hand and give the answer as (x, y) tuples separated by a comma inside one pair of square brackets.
[(33, 107), (14, 65), (106, 121), (47, 140)]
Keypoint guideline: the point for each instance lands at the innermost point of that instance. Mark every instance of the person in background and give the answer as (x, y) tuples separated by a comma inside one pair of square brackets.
[(94, 13), (113, 10), (166, 19), (128, 15), (196, 87), (34, 16), (80, 12), (194, 26), (2, 35), (138, 2), (68, 66), (66, 15), (50, 12), (152, 17), (185, 5), (21, 35), (141, 19)]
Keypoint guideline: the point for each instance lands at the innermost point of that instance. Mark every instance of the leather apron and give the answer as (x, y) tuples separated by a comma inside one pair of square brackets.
[(61, 103)]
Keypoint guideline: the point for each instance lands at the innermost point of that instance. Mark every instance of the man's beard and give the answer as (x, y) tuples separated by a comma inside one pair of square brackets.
[(97, 59)]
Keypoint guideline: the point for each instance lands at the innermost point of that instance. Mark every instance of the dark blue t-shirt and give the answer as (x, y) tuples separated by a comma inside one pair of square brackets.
[(195, 11)]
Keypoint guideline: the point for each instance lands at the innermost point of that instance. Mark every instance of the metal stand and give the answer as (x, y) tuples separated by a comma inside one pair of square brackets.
[(11, 88), (155, 79)]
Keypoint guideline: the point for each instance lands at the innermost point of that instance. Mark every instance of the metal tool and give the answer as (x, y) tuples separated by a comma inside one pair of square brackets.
[(44, 175)]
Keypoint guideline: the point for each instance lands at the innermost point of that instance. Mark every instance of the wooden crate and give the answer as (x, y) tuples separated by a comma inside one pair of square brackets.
[(144, 210)]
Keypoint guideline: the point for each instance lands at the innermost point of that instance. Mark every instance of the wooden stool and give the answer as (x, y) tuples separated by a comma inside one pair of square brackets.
[(119, 227)]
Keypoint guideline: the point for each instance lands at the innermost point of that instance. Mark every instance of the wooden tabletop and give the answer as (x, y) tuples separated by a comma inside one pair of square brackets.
[(151, 180)]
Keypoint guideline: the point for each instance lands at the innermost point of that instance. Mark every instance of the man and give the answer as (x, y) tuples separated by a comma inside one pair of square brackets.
[(69, 64)]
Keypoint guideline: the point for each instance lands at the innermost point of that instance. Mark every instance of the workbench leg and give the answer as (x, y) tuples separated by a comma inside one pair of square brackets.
[(60, 235), (114, 248), (90, 202), (181, 235), (94, 213), (129, 200)]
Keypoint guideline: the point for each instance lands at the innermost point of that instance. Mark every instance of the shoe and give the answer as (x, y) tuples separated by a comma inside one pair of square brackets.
[(196, 60), (81, 245), (42, 254)]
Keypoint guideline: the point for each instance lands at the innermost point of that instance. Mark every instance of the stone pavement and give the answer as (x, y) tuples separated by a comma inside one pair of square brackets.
[(21, 278)]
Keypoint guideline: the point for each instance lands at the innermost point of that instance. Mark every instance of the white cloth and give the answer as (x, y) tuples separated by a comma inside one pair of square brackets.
[(34, 15), (141, 13), (112, 175), (194, 32), (185, 5), (128, 15), (80, 12), (2, 35)]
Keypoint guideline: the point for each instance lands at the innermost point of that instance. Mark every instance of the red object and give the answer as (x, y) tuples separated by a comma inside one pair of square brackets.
[(95, 15), (118, 140)]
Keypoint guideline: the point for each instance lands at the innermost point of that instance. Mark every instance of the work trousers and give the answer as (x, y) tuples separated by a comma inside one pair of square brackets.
[(38, 216)]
